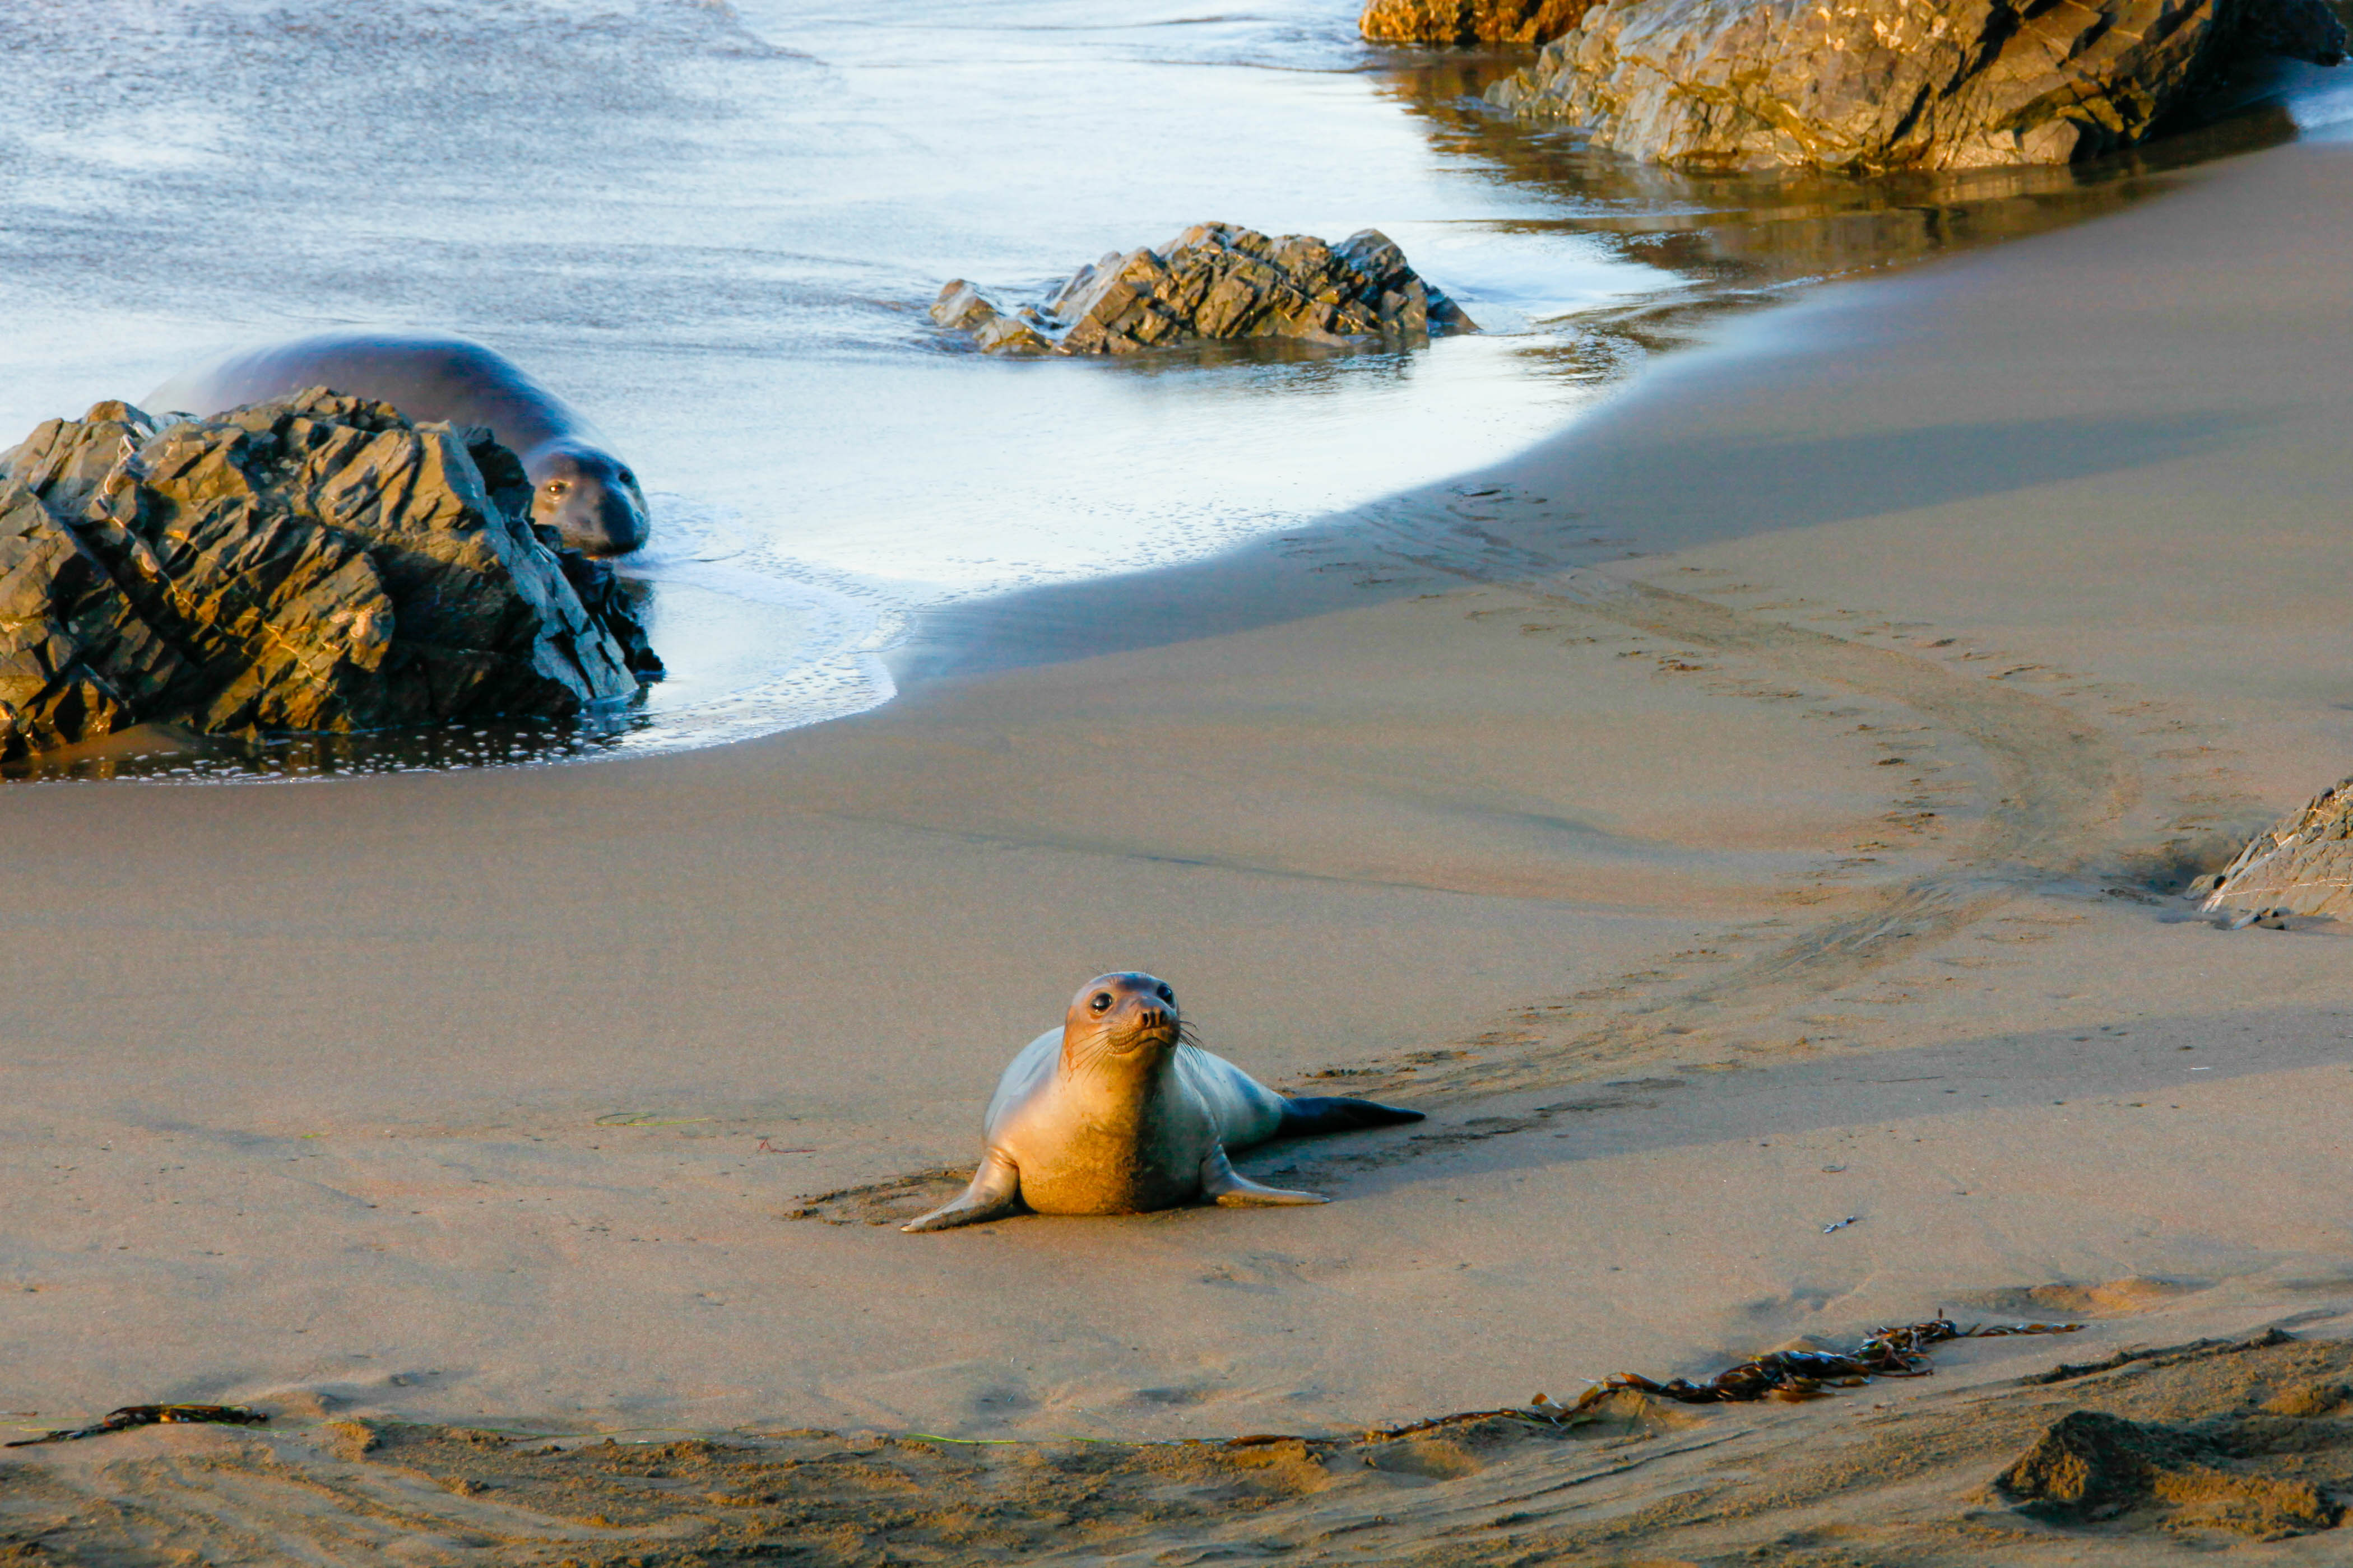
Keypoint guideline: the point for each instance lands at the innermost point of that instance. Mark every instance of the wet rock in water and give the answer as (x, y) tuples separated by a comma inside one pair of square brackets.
[(1468, 21), (1897, 84), (2300, 865), (1219, 282), (2090, 1466), (315, 563)]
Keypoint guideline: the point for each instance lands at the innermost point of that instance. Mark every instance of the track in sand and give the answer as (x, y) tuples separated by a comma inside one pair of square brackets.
[(2063, 784), (2058, 788)]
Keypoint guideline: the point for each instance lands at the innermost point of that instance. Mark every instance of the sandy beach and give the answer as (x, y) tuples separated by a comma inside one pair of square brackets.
[(1760, 805)]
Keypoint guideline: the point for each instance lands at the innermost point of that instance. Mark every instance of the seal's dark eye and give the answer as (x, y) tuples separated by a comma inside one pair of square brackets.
[(556, 487), (628, 478), (1101, 1001), (1166, 994)]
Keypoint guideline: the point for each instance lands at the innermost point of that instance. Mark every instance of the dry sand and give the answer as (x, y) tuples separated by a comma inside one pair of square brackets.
[(1812, 864)]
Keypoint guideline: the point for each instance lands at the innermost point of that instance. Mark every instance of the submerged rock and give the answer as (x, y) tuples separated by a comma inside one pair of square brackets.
[(1894, 84), (315, 563), (2300, 865), (1218, 281), (1468, 21)]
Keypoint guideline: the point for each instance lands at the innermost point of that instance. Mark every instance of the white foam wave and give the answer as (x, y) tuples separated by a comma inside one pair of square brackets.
[(757, 643)]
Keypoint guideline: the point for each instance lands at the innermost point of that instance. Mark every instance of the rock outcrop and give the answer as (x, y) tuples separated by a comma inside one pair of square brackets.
[(2301, 864), (315, 563), (1464, 22), (1897, 84), (1218, 281)]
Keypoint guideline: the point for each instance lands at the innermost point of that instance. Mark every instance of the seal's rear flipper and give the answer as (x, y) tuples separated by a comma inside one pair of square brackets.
[(1221, 1183), (995, 1192), (1305, 1117)]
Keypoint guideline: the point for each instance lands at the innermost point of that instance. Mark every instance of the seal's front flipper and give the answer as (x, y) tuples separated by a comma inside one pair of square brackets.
[(1221, 1184), (995, 1192), (1305, 1117)]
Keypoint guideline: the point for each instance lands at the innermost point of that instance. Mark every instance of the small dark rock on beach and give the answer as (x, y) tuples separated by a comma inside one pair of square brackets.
[(316, 562), (1219, 282)]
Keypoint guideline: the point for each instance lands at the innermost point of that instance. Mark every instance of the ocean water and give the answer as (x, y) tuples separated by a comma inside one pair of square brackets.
[(714, 228)]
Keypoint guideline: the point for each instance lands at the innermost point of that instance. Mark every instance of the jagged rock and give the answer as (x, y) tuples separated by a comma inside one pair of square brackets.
[(961, 308), (1889, 84), (2300, 865), (1216, 281), (315, 563), (1468, 21)]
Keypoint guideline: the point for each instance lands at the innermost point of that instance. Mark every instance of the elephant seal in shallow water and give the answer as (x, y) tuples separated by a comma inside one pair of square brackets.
[(577, 487), (1113, 1113)]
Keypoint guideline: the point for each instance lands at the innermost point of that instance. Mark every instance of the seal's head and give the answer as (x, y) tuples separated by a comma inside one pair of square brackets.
[(1128, 1020), (590, 497)]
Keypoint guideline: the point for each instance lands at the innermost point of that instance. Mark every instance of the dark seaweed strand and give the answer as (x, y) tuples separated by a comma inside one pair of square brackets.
[(131, 1415), (1806, 1375)]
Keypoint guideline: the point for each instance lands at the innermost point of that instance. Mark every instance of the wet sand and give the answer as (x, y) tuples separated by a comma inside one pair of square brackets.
[(1814, 862)]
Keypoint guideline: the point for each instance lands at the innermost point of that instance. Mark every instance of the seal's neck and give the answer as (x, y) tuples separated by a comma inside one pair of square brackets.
[(1139, 1077)]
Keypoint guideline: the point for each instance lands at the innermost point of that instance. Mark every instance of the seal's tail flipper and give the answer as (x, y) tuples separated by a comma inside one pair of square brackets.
[(1338, 1113)]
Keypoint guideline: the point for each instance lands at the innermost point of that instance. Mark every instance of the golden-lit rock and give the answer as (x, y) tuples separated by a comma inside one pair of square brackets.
[(1219, 282), (1446, 22), (2300, 865), (1897, 84)]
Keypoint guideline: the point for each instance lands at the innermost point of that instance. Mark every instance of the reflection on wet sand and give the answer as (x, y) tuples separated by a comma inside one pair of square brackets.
[(170, 754), (1741, 238)]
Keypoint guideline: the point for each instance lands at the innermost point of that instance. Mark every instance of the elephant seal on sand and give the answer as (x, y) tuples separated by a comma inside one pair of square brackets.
[(588, 496), (1111, 1113)]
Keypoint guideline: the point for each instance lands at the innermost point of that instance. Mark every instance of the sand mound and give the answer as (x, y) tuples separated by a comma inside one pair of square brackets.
[(2091, 1466), (2110, 1299)]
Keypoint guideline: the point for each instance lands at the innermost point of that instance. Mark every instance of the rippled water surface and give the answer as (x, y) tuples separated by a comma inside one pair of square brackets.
[(714, 228)]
